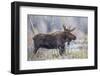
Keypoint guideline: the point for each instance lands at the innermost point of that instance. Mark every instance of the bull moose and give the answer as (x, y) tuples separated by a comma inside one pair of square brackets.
[(54, 40)]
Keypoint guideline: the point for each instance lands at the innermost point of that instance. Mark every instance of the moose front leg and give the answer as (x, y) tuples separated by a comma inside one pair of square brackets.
[(62, 50)]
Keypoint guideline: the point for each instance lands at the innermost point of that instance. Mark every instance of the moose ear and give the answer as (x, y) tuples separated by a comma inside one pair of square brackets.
[(64, 27)]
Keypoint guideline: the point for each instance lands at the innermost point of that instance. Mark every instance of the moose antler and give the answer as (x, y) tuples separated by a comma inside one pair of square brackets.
[(72, 29), (68, 28), (64, 27)]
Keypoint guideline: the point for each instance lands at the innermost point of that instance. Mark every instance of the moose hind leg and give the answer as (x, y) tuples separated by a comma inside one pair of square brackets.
[(35, 50)]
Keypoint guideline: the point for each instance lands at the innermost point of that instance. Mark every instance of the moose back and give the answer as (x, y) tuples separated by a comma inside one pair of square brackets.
[(54, 40)]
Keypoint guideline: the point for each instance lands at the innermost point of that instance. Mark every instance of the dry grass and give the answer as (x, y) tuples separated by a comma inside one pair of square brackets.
[(82, 54), (45, 54)]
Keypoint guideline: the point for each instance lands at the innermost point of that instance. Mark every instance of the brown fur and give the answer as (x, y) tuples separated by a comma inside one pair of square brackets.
[(54, 40)]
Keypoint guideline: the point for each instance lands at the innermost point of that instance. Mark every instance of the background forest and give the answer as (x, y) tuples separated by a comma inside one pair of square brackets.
[(78, 49)]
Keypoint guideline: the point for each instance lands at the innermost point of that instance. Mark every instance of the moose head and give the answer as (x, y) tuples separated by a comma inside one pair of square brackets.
[(68, 34)]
